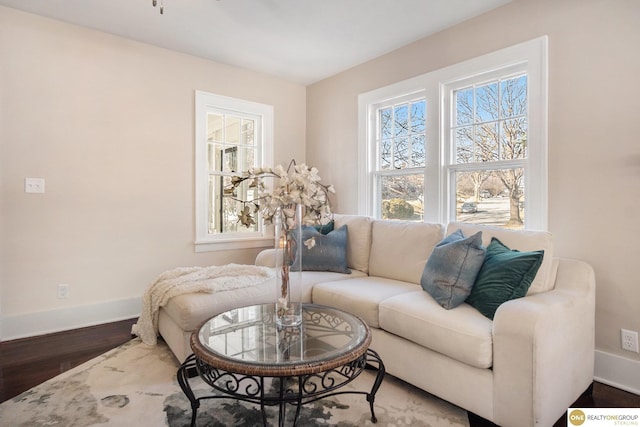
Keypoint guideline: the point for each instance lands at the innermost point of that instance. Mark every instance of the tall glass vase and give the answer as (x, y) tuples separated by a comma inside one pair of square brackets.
[(289, 267)]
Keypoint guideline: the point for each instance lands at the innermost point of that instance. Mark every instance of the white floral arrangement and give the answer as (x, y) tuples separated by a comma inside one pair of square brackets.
[(294, 186)]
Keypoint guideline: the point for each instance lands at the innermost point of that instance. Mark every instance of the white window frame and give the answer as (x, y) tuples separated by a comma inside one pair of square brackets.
[(208, 102), (377, 173), (439, 198)]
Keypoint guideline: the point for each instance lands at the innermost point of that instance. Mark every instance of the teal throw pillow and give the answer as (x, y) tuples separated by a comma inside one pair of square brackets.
[(505, 275), (325, 228), (452, 268), (328, 254)]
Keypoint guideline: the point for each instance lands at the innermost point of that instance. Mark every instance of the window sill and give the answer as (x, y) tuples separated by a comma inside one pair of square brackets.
[(225, 245)]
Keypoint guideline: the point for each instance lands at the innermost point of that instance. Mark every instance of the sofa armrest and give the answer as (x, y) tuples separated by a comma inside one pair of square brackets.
[(267, 258), (544, 349)]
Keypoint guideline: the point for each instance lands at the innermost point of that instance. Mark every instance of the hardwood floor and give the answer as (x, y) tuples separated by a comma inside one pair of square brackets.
[(28, 362), (601, 396)]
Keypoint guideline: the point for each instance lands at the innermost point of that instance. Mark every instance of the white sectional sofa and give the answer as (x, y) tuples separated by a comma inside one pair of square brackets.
[(524, 367)]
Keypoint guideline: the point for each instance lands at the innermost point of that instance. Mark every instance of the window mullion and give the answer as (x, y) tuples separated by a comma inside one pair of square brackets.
[(392, 165), (498, 164)]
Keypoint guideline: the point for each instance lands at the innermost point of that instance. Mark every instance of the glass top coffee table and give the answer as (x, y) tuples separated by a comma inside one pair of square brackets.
[(242, 354)]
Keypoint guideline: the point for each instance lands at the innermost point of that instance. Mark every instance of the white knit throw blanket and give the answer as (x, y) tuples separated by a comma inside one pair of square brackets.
[(184, 280)]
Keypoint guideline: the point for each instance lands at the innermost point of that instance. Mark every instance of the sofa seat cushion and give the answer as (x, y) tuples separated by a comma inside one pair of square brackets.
[(311, 278), (360, 296), (188, 311), (461, 333)]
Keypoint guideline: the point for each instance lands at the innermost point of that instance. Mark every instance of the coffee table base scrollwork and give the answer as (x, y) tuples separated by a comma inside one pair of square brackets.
[(279, 391)]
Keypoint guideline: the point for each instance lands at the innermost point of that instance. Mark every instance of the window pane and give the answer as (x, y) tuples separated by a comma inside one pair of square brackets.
[(248, 126), (418, 147), (232, 129), (513, 139), (211, 156), (386, 123), (401, 123), (401, 153), (401, 135), (464, 106), (487, 142), (487, 102), (223, 211), (496, 138), (214, 224), (214, 127), (214, 156), (229, 159), (402, 197), (464, 145), (418, 117), (385, 154), (493, 197), (246, 159), (513, 97)]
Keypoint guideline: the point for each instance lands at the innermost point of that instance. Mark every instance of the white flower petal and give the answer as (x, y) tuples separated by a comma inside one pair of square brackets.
[(310, 243)]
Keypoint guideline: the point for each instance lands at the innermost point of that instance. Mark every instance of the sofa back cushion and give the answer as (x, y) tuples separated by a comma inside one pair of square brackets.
[(358, 240), (521, 240), (400, 249)]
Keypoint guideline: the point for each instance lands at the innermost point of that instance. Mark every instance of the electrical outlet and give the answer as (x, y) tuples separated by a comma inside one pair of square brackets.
[(629, 340), (63, 291), (34, 185)]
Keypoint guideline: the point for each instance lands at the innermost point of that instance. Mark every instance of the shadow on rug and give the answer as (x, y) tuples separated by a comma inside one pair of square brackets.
[(136, 384)]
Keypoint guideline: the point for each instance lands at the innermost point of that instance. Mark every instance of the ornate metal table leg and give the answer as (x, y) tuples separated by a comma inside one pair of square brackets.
[(183, 379), (372, 356), (262, 401), (282, 413), (299, 399)]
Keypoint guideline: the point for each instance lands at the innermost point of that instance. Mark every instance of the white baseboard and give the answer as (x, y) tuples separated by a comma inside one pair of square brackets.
[(64, 319), (617, 371)]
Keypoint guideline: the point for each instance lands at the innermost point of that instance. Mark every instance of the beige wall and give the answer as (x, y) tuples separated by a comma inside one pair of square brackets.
[(109, 124), (594, 148)]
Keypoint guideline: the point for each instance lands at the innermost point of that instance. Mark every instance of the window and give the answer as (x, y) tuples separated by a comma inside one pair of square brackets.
[(232, 136), (486, 147), (465, 143), (400, 147)]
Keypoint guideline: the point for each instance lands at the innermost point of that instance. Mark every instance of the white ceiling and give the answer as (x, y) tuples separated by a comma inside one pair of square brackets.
[(300, 40)]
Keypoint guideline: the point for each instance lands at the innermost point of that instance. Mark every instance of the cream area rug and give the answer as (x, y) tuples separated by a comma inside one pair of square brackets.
[(135, 385)]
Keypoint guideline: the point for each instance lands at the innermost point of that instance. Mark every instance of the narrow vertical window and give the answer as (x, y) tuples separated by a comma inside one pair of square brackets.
[(232, 136), (401, 149), (488, 131)]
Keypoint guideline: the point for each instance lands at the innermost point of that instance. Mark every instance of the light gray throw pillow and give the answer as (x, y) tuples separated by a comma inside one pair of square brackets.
[(452, 268)]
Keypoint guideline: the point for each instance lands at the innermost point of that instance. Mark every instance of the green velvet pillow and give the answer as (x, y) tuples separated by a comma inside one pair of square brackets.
[(325, 228), (505, 275)]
